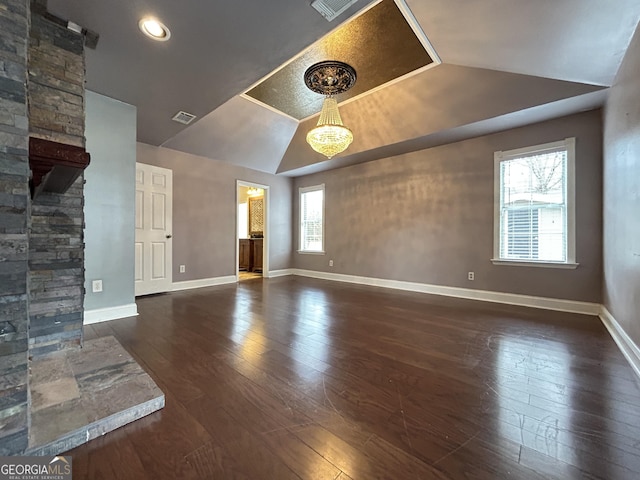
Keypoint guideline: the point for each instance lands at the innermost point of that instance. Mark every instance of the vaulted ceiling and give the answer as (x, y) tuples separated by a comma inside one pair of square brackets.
[(504, 63)]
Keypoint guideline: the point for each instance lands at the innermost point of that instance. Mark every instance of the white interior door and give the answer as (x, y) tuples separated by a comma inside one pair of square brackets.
[(153, 257)]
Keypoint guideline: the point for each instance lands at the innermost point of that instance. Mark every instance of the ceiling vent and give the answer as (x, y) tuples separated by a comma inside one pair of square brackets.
[(183, 117), (330, 9)]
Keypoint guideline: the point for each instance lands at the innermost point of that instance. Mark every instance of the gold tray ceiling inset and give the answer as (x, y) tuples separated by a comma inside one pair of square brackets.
[(379, 44)]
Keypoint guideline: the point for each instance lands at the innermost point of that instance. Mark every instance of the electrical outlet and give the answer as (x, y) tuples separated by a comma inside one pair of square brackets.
[(182, 268), (471, 276), (96, 286), (331, 263)]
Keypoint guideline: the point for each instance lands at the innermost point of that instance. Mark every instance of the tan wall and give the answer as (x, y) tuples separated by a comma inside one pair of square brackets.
[(621, 195), (204, 212), (427, 216)]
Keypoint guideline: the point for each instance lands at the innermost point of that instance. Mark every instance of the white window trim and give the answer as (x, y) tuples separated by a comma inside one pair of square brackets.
[(302, 190), (570, 145)]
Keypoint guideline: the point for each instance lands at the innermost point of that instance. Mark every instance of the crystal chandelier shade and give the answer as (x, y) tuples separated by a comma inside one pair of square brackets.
[(330, 136)]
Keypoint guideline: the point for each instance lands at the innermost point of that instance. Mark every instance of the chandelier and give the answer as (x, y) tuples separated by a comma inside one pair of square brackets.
[(330, 78)]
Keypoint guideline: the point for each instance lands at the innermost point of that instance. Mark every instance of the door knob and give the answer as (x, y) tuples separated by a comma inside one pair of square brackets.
[(169, 236)]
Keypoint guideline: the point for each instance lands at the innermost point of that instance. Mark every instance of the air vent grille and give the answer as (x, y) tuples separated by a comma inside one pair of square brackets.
[(330, 9), (183, 117)]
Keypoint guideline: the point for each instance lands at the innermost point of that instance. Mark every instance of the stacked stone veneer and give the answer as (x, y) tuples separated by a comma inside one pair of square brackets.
[(56, 249), (14, 205)]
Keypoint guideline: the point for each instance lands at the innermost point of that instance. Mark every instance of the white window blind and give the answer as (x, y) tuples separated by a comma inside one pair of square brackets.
[(311, 219), (534, 216)]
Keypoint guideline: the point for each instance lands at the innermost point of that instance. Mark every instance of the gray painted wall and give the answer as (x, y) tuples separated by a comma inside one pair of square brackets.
[(204, 213), (427, 216), (621, 195), (109, 201)]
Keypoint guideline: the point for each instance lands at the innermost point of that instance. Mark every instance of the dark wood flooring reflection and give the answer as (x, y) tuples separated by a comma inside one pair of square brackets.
[(301, 378)]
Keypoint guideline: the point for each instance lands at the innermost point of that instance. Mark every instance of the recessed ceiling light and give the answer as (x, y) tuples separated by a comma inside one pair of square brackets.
[(154, 29)]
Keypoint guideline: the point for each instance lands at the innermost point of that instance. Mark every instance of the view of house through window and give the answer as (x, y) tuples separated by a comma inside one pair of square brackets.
[(535, 209), (311, 219)]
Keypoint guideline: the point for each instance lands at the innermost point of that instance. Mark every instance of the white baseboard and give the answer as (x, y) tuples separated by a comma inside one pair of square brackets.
[(627, 346), (111, 313), (203, 282), (280, 273), (467, 293)]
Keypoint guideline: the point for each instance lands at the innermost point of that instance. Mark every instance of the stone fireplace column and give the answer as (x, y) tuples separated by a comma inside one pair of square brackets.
[(14, 224), (56, 95)]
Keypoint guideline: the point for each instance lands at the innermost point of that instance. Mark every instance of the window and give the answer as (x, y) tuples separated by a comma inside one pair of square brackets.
[(312, 219), (534, 207)]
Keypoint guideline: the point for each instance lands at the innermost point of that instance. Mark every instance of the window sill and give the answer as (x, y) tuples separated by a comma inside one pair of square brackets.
[(311, 252), (516, 263)]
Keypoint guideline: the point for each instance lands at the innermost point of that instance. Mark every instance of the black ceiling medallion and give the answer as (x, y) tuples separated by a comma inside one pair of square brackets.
[(330, 77)]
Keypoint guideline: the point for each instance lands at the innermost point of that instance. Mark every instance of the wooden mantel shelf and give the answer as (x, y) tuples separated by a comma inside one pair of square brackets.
[(54, 166)]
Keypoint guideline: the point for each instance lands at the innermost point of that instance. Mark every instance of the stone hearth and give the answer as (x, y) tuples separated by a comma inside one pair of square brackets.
[(79, 394)]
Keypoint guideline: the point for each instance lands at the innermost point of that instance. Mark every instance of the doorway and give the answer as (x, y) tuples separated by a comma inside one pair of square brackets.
[(153, 252), (252, 239)]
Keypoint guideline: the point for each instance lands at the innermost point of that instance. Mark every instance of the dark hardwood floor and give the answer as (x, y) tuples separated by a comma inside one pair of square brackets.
[(301, 378)]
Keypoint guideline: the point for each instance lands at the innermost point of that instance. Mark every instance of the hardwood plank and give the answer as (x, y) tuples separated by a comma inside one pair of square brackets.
[(250, 455), (122, 462), (213, 461), (274, 431), (585, 454)]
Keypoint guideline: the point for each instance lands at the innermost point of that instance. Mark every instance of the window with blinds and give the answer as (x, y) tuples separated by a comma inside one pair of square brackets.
[(534, 204), (312, 219)]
